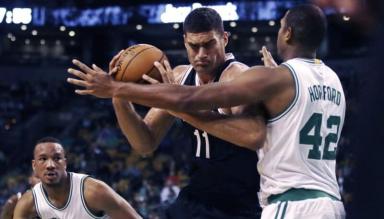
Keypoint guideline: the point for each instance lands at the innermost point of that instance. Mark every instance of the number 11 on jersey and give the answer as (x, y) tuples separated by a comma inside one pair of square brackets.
[(198, 141)]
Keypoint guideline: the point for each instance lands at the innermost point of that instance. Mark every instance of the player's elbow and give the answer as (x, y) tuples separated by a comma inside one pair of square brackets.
[(145, 150), (255, 140)]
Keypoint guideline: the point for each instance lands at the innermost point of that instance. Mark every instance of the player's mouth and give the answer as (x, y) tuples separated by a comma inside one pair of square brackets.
[(50, 175), (201, 64)]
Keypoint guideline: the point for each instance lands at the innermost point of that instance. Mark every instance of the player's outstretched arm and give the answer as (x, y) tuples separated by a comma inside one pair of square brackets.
[(99, 197), (254, 85), (25, 207)]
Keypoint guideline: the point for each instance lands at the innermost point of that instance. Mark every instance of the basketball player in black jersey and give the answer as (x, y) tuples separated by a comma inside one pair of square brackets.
[(223, 177)]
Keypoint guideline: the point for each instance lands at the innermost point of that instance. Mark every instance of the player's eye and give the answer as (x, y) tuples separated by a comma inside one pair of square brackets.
[(42, 159), (194, 47)]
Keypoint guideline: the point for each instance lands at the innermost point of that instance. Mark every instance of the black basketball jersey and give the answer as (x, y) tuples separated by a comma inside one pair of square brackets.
[(221, 174)]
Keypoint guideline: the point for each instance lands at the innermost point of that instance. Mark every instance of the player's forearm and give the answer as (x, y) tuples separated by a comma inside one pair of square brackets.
[(134, 128), (171, 96), (244, 131)]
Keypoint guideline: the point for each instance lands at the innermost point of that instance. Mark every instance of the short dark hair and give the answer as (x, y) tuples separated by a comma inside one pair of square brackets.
[(48, 139), (203, 20), (308, 24)]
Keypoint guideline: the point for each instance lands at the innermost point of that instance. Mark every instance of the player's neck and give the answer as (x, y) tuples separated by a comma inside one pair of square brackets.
[(56, 192), (205, 78), (296, 52), (208, 77)]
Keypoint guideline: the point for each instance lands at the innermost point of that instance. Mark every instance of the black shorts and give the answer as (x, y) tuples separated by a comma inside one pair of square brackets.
[(187, 208)]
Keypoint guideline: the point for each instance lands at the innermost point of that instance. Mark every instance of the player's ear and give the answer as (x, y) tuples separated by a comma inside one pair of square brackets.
[(65, 163), (33, 165), (225, 37), (288, 34)]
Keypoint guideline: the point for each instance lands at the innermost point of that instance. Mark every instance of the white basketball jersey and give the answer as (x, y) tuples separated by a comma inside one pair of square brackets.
[(300, 149), (75, 207)]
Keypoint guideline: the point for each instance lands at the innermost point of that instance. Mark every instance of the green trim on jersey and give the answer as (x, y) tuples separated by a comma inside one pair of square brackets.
[(36, 203), (299, 195), (284, 210), (297, 93), (68, 200), (83, 199), (278, 210), (312, 61)]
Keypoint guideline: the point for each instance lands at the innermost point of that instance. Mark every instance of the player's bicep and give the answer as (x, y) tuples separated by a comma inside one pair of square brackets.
[(102, 198)]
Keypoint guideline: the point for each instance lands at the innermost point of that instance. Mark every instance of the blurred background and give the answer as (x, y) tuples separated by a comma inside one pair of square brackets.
[(39, 38)]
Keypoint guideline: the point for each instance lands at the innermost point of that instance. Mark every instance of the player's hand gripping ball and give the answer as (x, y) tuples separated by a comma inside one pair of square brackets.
[(138, 60)]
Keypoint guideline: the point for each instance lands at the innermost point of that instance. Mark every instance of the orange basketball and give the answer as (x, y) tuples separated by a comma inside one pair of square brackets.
[(137, 60)]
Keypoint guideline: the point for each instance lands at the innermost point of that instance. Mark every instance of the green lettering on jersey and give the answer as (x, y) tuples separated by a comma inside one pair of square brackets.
[(331, 138), (315, 139)]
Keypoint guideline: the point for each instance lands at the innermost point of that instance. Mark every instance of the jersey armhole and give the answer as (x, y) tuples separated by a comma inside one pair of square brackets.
[(82, 183), (294, 101), (36, 203)]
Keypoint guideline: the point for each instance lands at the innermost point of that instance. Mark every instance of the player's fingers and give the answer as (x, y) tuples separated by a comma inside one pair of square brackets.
[(167, 65), (150, 80), (162, 71), (83, 66), (113, 71), (271, 60), (159, 66), (170, 75), (77, 73), (112, 63), (264, 51), (97, 68), (77, 82), (84, 92)]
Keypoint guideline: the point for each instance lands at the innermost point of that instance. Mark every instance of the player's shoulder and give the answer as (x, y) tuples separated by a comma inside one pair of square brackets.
[(94, 188), (92, 185), (179, 72), (233, 70), (236, 67), (98, 195)]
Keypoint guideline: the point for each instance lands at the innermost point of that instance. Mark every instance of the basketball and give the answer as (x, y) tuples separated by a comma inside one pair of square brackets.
[(138, 60)]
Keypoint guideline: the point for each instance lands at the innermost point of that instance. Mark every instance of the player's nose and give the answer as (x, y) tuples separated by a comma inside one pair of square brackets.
[(202, 53), (50, 164)]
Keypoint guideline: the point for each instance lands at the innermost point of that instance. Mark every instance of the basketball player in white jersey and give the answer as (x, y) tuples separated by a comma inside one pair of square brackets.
[(305, 100), (62, 194)]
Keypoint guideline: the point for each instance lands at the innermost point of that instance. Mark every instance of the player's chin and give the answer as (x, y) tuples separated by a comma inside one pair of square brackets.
[(51, 180), (202, 68)]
